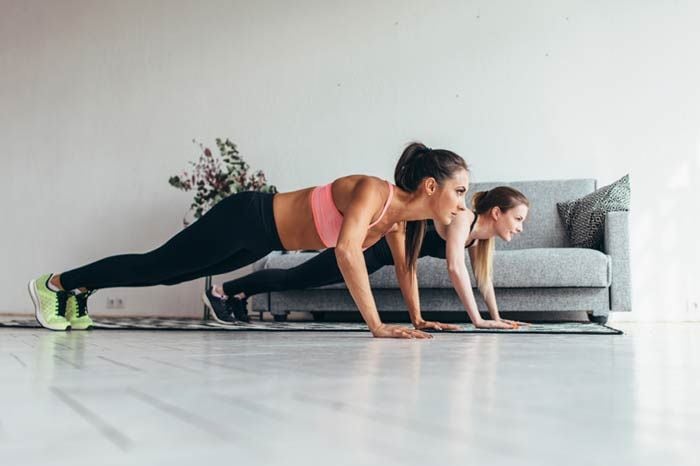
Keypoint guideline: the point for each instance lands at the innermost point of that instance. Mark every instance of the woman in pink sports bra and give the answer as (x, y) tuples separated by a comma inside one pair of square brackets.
[(351, 214), (354, 212), (329, 220)]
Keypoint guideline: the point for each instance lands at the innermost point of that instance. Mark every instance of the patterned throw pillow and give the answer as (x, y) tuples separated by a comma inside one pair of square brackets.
[(584, 218)]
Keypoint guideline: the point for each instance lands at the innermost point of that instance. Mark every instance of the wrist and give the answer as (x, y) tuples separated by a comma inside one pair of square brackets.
[(374, 327), (417, 320)]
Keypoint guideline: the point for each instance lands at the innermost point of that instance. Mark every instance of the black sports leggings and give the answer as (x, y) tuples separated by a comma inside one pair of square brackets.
[(236, 232), (320, 270), (323, 269)]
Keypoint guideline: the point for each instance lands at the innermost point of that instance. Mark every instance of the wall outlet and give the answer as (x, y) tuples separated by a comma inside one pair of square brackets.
[(115, 303)]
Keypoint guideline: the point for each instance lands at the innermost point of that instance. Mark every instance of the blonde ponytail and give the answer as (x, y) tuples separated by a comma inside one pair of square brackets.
[(483, 267), (504, 198)]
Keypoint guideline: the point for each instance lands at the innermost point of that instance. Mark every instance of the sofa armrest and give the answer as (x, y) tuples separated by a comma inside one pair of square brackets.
[(616, 244)]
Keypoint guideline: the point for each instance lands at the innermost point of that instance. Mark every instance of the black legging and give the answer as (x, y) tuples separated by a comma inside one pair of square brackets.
[(234, 233), (320, 270), (323, 269)]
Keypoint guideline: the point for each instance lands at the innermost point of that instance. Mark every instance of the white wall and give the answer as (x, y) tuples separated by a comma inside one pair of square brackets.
[(99, 101)]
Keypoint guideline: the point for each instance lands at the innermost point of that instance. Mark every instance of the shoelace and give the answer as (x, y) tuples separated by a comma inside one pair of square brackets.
[(232, 307), (61, 301), (82, 302)]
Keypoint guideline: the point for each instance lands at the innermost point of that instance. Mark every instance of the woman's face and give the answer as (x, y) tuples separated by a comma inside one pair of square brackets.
[(449, 198), (510, 222)]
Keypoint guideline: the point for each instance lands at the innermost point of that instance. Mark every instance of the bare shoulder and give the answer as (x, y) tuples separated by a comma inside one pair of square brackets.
[(364, 189), (468, 215), (461, 222), (361, 181)]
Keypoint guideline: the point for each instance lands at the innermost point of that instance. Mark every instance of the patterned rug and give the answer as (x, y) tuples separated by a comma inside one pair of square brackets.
[(152, 323)]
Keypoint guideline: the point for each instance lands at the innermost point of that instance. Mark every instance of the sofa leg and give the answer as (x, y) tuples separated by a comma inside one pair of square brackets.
[(598, 318), (280, 317)]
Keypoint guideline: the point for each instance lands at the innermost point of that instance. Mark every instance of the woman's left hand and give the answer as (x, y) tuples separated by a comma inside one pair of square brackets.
[(513, 322), (427, 324)]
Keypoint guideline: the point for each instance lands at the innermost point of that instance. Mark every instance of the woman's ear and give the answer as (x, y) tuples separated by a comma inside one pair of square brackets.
[(496, 212), (430, 185)]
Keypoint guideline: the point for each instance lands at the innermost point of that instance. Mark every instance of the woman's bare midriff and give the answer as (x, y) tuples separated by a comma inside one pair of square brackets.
[(295, 222)]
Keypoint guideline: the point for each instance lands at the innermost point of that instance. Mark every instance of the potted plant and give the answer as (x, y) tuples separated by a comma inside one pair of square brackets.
[(215, 177)]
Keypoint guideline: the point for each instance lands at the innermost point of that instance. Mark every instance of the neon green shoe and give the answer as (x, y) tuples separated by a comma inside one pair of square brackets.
[(49, 305), (77, 313)]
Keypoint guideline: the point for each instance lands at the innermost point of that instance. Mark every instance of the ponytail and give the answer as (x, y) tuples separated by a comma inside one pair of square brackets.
[(416, 163), (504, 198)]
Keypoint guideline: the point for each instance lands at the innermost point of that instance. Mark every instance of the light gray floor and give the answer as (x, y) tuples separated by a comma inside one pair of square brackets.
[(204, 398)]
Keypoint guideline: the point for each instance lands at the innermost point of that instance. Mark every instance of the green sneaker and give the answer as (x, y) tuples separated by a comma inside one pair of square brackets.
[(77, 313), (49, 305)]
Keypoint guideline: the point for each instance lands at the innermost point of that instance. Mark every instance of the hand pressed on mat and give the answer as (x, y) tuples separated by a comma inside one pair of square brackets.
[(428, 325), (500, 323), (397, 331)]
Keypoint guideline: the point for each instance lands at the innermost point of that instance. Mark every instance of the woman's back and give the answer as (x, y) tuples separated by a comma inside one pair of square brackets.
[(294, 216)]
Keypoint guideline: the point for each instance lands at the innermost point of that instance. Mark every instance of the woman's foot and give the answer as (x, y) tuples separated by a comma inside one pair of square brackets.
[(49, 305), (224, 308), (239, 308), (77, 311), (218, 306)]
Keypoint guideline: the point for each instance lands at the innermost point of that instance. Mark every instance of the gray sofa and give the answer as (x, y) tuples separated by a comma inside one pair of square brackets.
[(536, 271)]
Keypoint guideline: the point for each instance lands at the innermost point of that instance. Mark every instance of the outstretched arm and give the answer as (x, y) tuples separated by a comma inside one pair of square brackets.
[(351, 261), (489, 295), (487, 291), (408, 282), (457, 233)]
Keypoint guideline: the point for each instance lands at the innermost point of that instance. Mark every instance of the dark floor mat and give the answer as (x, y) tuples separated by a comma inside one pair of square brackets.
[(151, 323)]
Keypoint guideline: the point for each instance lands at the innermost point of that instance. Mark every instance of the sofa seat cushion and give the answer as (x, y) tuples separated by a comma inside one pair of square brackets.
[(521, 268), (531, 268)]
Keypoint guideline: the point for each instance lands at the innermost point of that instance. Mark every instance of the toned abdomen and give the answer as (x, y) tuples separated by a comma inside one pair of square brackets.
[(294, 220)]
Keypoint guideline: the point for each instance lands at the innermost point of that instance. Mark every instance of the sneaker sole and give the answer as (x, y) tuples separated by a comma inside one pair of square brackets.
[(212, 314), (73, 327), (34, 294)]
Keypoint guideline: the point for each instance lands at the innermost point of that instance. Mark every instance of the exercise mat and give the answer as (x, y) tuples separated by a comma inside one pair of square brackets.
[(161, 323)]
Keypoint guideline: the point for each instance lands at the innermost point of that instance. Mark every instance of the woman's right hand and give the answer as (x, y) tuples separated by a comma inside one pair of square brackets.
[(496, 324), (397, 331)]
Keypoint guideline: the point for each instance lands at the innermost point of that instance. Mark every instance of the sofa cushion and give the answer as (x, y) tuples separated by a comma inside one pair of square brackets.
[(530, 268), (584, 218), (524, 268)]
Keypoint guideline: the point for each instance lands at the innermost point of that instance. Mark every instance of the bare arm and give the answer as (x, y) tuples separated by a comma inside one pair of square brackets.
[(489, 295), (408, 281), (457, 233), (351, 261), (490, 298)]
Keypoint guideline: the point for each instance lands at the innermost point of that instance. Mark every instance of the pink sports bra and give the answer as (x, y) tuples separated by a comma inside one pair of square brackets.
[(328, 219)]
